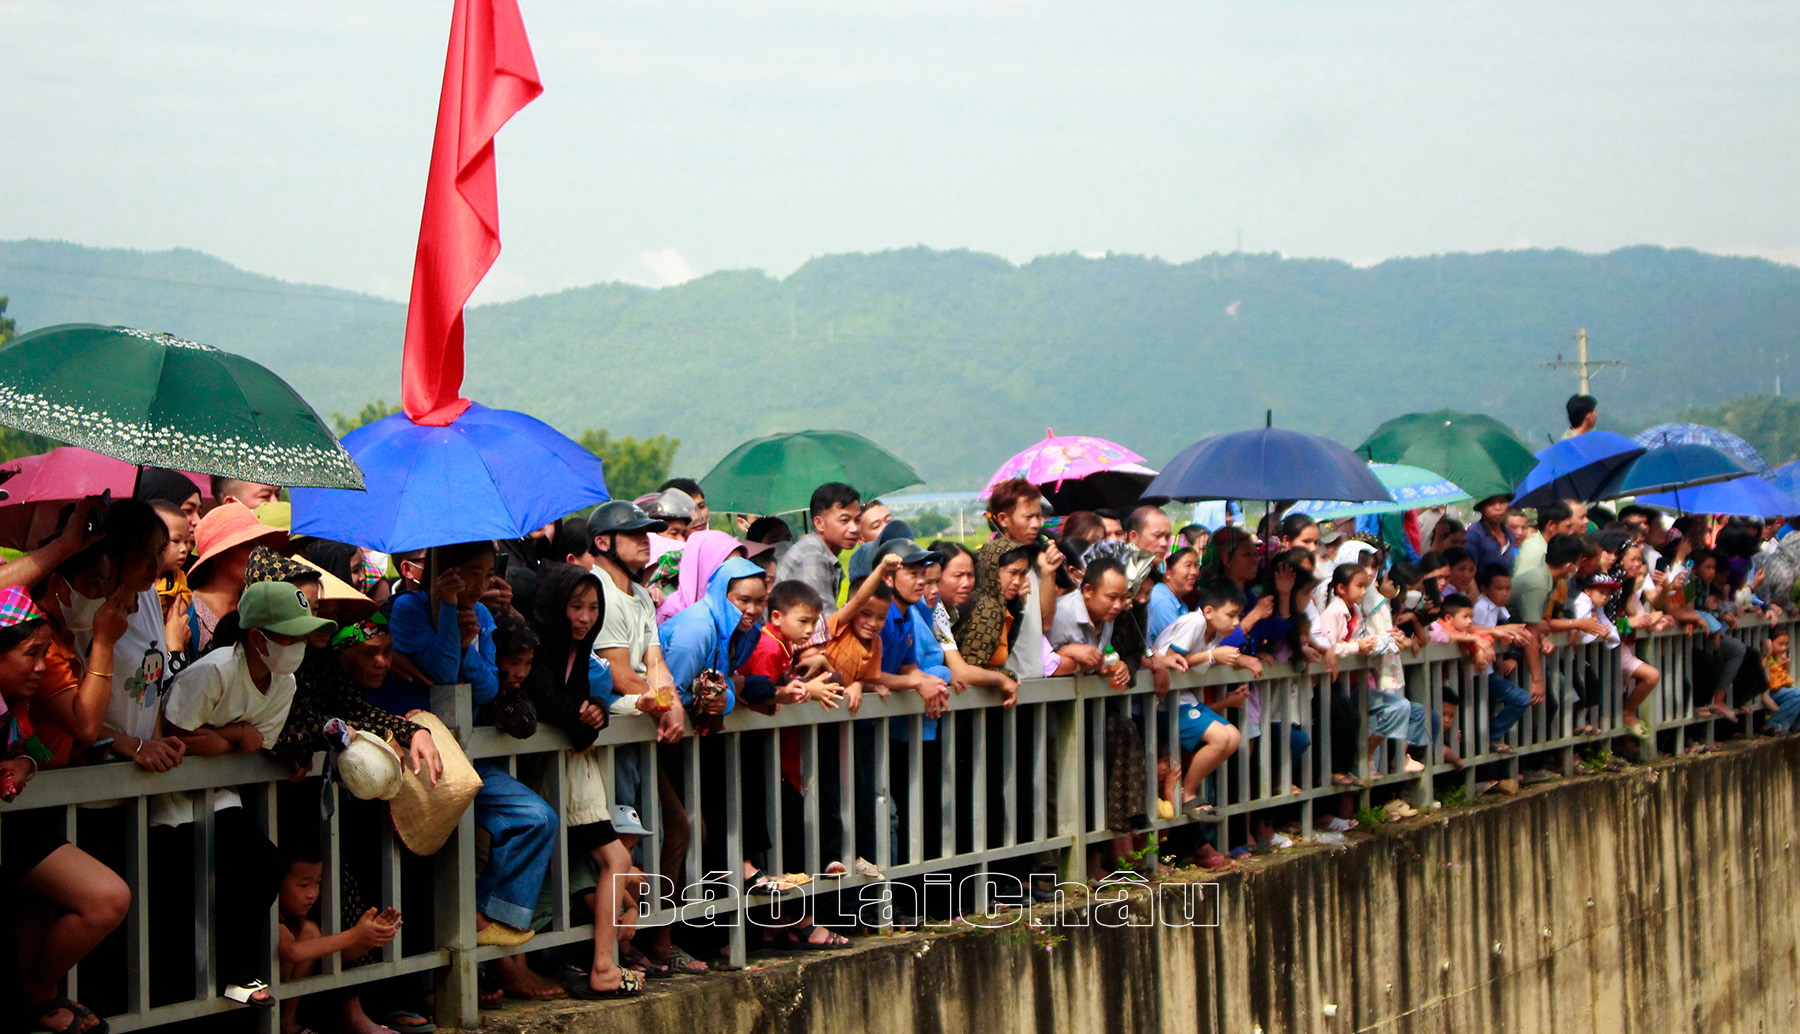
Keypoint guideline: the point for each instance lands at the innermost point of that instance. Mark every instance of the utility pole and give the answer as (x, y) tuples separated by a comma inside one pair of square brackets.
[(1583, 368)]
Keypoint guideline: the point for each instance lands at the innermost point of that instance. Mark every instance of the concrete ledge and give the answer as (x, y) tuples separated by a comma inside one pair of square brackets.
[(1658, 899)]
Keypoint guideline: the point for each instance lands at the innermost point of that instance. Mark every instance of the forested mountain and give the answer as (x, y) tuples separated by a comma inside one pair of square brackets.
[(957, 359)]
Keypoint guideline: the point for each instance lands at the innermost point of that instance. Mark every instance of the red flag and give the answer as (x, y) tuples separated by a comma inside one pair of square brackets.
[(488, 76)]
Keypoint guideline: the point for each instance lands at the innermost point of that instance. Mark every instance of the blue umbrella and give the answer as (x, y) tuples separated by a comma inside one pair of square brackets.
[(1700, 434), (491, 474), (1670, 467), (1575, 468), (1267, 463), (1743, 497), (1787, 478)]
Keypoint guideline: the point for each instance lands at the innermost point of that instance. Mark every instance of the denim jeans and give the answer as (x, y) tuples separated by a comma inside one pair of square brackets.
[(1787, 708), (1510, 702), (1392, 716), (521, 830)]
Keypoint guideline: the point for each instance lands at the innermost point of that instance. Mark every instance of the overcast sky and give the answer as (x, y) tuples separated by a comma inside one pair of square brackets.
[(677, 138)]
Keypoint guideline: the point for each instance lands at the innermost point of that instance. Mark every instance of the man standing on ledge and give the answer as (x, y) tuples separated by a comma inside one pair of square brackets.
[(1584, 413)]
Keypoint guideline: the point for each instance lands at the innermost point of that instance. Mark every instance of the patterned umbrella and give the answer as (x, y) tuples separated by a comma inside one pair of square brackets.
[(159, 401), (1412, 488), (1700, 434), (1065, 458)]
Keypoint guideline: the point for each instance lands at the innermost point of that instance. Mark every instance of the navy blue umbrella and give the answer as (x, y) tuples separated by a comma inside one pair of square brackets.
[(1669, 467), (1267, 463), (490, 474), (1575, 468)]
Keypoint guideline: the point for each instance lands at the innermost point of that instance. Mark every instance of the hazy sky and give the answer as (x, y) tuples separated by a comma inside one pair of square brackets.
[(676, 138)]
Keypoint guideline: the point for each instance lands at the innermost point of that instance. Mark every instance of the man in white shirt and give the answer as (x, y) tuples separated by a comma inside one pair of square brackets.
[(1082, 626)]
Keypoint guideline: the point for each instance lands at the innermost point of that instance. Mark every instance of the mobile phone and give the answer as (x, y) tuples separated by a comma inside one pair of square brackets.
[(97, 752), (500, 560), (97, 517)]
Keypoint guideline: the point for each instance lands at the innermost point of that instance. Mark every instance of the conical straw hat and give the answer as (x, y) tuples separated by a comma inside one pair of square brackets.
[(425, 815)]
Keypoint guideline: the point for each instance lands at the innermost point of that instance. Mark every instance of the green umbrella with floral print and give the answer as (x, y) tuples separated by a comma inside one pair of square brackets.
[(160, 401)]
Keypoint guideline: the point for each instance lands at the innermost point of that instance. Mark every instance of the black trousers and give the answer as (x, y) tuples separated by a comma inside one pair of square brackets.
[(247, 875)]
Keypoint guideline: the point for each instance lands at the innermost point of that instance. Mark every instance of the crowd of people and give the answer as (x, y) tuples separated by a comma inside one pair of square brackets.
[(187, 622)]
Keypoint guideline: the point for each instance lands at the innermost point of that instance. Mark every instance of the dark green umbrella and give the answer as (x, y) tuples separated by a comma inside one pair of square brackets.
[(159, 401), (1480, 454), (777, 474)]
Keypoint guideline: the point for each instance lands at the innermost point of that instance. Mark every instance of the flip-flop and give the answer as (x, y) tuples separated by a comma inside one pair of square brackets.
[(631, 958), (425, 1027), (630, 985)]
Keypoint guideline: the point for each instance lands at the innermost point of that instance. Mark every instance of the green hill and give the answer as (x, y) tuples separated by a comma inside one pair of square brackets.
[(957, 359)]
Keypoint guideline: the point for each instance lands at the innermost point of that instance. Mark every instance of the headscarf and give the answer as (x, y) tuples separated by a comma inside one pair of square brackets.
[(170, 485), (982, 620), (702, 554), (266, 565), (17, 608), (1224, 542), (700, 637), (359, 632), (1138, 563), (1352, 552)]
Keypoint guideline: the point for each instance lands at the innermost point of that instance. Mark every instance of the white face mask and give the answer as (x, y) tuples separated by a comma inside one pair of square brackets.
[(283, 660), (80, 610)]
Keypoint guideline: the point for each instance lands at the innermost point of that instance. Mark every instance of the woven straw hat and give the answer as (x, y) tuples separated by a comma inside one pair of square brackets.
[(426, 815)]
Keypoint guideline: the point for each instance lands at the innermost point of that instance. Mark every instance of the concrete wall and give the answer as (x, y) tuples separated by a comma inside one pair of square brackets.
[(1660, 899)]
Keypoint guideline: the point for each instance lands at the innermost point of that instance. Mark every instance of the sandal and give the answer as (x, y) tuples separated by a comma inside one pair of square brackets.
[(77, 1014), (1195, 809), (393, 1021), (245, 994), (1345, 779), (1500, 747), (761, 883), (631, 958), (681, 964), (630, 984)]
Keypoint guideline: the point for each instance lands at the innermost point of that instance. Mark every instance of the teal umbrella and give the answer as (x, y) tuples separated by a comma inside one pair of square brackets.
[(157, 400), (777, 474), (1412, 488)]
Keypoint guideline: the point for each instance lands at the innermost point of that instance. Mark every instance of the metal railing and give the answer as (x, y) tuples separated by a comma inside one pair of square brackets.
[(1025, 783)]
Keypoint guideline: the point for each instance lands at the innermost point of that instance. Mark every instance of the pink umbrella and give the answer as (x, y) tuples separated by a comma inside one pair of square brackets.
[(1058, 459), (49, 481)]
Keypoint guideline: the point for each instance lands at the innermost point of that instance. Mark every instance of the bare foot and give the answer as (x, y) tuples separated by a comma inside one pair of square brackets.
[(1414, 764), (517, 980), (1209, 857)]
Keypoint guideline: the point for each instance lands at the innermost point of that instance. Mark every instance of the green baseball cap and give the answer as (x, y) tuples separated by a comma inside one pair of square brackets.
[(281, 608)]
